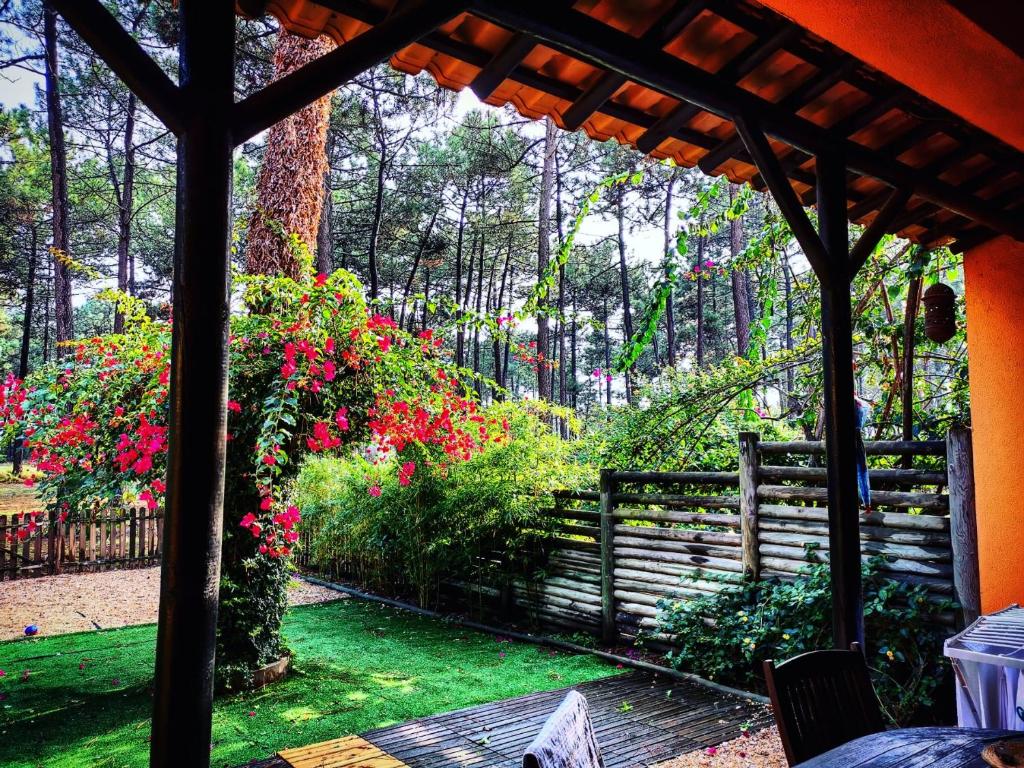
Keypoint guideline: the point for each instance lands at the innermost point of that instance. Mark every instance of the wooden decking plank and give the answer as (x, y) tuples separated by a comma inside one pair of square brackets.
[(655, 726)]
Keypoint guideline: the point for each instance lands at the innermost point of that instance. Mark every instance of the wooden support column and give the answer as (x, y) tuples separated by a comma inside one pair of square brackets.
[(840, 409), (963, 522), (608, 632), (183, 703), (748, 504)]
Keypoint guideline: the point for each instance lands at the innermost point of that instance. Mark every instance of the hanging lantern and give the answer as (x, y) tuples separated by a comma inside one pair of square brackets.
[(939, 313)]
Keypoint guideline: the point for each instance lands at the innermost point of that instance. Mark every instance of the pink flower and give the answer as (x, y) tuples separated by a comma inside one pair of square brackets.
[(233, 406), (270, 460), (248, 520), (712, 751), (607, 377), (252, 713), (374, 491)]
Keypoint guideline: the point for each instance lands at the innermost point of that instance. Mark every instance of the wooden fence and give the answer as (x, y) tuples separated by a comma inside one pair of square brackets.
[(646, 536), (108, 539)]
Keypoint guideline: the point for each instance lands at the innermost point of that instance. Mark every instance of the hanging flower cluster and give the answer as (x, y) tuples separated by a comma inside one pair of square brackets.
[(312, 370)]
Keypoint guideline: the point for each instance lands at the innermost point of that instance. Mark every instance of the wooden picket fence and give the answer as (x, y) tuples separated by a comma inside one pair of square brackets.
[(647, 536), (105, 540)]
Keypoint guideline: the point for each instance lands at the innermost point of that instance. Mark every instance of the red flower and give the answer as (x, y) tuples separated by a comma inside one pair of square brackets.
[(374, 491), (233, 406), (248, 520)]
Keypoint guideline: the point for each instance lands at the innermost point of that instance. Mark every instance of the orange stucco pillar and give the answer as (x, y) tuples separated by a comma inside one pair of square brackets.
[(995, 344)]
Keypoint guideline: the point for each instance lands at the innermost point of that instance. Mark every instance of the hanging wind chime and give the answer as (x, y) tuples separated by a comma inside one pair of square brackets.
[(939, 312)]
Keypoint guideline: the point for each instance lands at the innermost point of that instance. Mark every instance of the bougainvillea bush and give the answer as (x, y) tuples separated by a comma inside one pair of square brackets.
[(313, 371), (478, 520)]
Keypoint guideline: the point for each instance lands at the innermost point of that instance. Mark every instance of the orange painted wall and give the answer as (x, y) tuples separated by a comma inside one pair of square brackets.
[(931, 47), (995, 344)]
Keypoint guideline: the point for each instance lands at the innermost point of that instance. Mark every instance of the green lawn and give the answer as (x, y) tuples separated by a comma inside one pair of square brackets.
[(87, 698)]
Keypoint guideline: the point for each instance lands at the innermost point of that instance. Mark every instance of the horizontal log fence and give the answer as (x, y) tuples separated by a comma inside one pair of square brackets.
[(646, 536), (105, 540)]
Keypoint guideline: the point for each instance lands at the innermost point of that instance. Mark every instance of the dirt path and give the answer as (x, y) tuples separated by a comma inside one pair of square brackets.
[(80, 602)]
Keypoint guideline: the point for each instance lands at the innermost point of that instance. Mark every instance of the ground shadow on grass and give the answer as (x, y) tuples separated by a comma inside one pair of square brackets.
[(87, 699)]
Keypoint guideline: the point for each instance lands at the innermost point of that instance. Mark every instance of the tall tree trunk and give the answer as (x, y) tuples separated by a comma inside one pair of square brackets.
[(792, 402), (124, 210), (607, 358), (544, 257), (670, 312), (560, 335), (290, 186), (500, 308), (700, 301), (740, 289), (323, 259), (909, 341), (26, 335), (572, 353), (378, 216), (460, 333), (424, 239), (467, 295), (476, 322), (627, 314), (64, 325)]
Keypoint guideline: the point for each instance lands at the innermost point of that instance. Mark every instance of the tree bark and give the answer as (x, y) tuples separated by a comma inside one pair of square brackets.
[(460, 333), (323, 259), (424, 239), (607, 358), (290, 186), (125, 201), (909, 341), (476, 323), (64, 323), (670, 312), (740, 288), (544, 257), (700, 302), (627, 314), (26, 335)]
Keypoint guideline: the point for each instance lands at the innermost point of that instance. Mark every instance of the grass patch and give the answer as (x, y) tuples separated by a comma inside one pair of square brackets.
[(88, 697)]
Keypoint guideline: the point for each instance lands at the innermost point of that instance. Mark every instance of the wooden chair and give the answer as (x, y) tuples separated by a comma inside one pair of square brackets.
[(822, 699)]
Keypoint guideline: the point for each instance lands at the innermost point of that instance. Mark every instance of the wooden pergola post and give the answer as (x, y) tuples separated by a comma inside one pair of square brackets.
[(840, 409), (186, 638)]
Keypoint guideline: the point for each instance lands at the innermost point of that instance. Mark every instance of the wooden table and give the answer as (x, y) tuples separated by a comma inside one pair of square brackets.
[(917, 747)]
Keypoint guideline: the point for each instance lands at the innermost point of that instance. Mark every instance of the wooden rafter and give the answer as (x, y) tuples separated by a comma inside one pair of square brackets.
[(878, 227), (771, 171), (583, 37), (283, 97), (123, 54)]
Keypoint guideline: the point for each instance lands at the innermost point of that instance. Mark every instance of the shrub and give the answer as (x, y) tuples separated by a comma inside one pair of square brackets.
[(727, 636), (312, 370), (442, 520)]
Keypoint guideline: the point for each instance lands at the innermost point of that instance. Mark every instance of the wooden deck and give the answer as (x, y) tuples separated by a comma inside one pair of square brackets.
[(640, 719)]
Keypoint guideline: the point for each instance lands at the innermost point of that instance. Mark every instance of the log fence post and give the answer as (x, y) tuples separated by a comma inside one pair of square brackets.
[(963, 524), (608, 630), (748, 477)]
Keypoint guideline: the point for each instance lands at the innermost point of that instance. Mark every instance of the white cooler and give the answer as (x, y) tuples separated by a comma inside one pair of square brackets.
[(988, 661)]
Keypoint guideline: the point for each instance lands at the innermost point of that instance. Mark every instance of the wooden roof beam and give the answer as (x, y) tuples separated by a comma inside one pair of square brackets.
[(799, 97), (123, 54), (777, 182), (661, 33), (880, 225), (598, 44), (739, 67), (502, 65), (321, 76)]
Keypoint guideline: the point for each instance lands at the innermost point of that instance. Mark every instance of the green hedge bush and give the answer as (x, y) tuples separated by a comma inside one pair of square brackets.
[(777, 619), (447, 519)]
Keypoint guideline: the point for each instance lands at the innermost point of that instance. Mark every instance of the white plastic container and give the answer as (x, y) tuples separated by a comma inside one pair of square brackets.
[(988, 661)]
